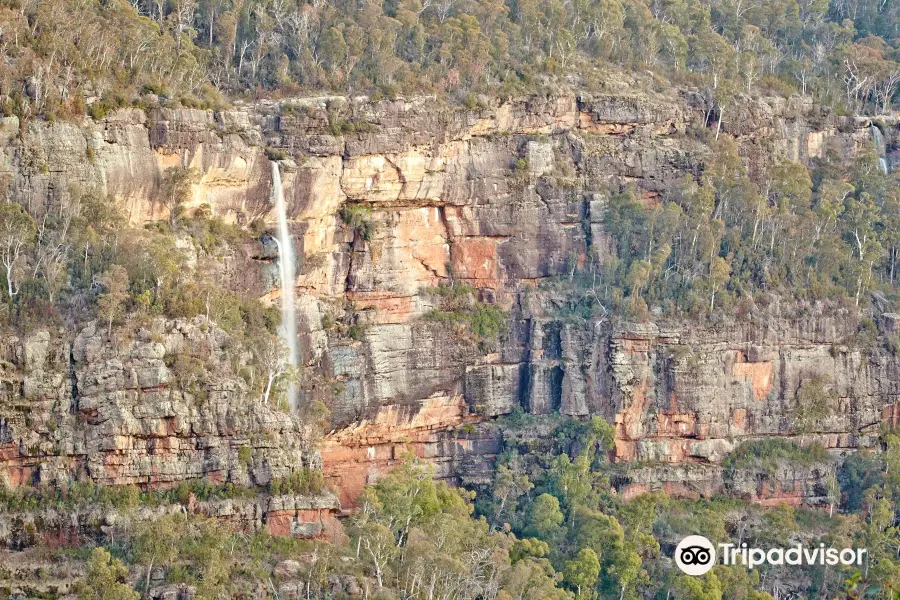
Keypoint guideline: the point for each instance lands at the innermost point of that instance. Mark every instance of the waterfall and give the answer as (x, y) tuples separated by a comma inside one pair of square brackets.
[(287, 273), (880, 148)]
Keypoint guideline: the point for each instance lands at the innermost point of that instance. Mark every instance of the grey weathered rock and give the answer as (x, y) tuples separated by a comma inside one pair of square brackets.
[(445, 201), (113, 410)]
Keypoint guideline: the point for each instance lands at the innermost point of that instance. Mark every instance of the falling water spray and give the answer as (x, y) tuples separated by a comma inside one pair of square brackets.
[(880, 148), (287, 273)]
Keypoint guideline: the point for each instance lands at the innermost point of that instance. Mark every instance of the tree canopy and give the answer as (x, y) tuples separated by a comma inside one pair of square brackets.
[(65, 55)]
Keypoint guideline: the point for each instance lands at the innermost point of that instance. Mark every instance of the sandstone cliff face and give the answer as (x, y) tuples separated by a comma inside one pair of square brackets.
[(119, 411), (499, 198)]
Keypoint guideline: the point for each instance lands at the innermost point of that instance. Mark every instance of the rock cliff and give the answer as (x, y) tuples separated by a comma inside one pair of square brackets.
[(503, 198), (119, 411)]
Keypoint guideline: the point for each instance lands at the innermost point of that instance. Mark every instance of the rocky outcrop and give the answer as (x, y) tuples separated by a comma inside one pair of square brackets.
[(499, 198), (26, 536), (153, 407), (307, 516)]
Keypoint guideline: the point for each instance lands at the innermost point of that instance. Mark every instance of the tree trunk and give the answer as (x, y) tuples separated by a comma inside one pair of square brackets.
[(893, 262), (719, 124), (268, 387), (147, 580)]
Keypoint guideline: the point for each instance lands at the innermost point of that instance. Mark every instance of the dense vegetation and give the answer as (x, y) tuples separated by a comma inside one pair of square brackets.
[(546, 527), (80, 261), (727, 241), (734, 242), (64, 56), (458, 305)]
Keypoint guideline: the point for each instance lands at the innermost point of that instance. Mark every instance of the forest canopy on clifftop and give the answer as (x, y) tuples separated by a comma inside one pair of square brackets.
[(68, 56)]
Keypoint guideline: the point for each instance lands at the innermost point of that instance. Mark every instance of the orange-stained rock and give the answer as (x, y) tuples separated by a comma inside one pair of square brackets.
[(630, 423), (387, 307), (636, 345), (758, 374), (360, 453), (739, 420), (587, 123), (677, 425), (475, 261)]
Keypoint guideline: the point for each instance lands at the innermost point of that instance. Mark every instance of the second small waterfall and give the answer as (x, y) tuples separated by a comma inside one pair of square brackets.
[(880, 148), (288, 279)]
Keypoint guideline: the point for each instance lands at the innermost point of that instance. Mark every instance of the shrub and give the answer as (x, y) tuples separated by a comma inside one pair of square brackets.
[(304, 481), (245, 455), (275, 154), (770, 453), (359, 218), (457, 304)]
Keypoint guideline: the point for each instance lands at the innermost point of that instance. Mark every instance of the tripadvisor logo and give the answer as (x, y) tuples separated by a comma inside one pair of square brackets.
[(695, 555)]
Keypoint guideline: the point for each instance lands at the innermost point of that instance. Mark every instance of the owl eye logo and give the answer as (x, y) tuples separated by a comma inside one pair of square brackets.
[(695, 555)]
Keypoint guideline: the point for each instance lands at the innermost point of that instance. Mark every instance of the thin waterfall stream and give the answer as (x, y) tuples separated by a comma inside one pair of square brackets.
[(287, 274), (880, 148)]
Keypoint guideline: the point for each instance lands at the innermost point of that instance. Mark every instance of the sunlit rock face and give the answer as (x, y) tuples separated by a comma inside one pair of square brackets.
[(502, 199)]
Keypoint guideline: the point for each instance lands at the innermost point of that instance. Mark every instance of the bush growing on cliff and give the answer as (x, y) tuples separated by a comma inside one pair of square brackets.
[(358, 217), (769, 454), (815, 404), (457, 304), (304, 482)]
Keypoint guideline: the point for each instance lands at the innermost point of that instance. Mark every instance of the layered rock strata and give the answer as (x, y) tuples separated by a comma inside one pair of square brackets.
[(151, 407), (501, 198)]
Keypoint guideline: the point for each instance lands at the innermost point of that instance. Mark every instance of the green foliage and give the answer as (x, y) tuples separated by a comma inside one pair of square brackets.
[(17, 232), (80, 495), (769, 453), (303, 481), (528, 547), (545, 519), (859, 472), (451, 49), (693, 588), (816, 403), (582, 572), (358, 217), (156, 542), (211, 234), (105, 579), (411, 527), (457, 304), (69, 496), (111, 303), (276, 154), (723, 242), (175, 190)]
